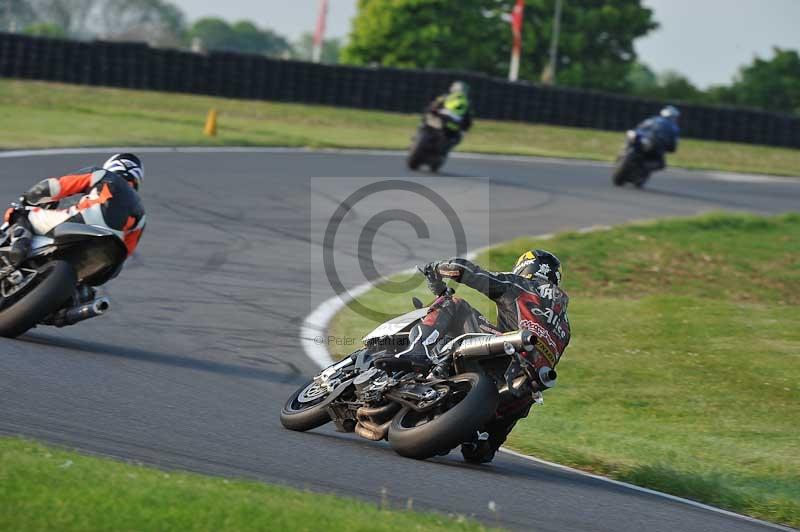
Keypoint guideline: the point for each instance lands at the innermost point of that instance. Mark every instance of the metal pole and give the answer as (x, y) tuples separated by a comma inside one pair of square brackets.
[(513, 69), (554, 42)]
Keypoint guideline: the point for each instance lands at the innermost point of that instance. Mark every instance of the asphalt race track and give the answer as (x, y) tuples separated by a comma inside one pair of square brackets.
[(201, 348)]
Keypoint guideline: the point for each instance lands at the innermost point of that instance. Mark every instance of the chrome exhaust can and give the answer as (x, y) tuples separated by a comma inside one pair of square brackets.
[(92, 309), (504, 344)]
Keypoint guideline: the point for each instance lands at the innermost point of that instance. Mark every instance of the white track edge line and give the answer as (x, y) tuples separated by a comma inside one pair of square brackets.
[(634, 487), (708, 174)]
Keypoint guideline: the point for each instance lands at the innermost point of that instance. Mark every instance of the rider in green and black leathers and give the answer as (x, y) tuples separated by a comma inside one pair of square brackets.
[(455, 105)]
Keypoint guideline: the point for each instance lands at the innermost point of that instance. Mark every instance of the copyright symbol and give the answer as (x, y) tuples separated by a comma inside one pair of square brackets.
[(368, 233), (319, 340)]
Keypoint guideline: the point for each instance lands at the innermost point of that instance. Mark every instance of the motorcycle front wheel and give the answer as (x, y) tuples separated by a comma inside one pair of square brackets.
[(422, 435), (624, 168), (416, 155), (305, 409)]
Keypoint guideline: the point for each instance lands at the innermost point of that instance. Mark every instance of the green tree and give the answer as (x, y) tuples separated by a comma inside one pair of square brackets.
[(668, 86), (155, 21), (42, 29), (676, 87), (595, 46), (251, 39), (772, 84), (243, 36), (214, 33), (455, 34), (641, 79)]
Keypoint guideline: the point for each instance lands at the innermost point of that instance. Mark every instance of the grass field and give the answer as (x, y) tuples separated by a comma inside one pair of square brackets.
[(684, 370), (37, 114), (44, 488)]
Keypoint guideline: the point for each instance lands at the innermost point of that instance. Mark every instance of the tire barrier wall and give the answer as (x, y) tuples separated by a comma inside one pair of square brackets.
[(232, 75)]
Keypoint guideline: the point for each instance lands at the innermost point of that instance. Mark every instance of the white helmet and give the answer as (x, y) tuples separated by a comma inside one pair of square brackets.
[(459, 87), (670, 112), (126, 165)]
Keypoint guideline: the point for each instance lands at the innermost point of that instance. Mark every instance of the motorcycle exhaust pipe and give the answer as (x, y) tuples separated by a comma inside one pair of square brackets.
[(373, 422), (373, 431), (378, 415), (92, 309), (547, 376), (504, 344)]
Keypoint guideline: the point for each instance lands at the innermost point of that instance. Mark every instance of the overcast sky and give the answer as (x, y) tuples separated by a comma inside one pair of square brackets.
[(707, 40)]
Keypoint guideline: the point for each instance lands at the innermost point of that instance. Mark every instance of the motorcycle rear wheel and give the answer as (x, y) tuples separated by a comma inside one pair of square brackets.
[(52, 287), (422, 435), (642, 178)]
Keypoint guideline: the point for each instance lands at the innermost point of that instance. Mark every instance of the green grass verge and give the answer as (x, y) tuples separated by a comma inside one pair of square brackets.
[(44, 488), (37, 114), (684, 370)]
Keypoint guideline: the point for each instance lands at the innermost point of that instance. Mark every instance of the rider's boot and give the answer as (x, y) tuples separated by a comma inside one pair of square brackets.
[(423, 338), (479, 450)]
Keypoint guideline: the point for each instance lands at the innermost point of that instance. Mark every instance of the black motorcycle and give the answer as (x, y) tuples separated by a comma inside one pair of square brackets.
[(422, 412), (633, 165), (55, 284), (432, 144)]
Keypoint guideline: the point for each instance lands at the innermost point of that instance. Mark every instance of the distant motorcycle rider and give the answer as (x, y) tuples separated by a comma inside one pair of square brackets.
[(455, 108), (529, 297), (659, 134), (110, 200)]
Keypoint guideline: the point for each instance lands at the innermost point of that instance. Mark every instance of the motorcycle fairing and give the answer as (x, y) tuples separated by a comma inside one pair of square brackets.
[(395, 325), (96, 253)]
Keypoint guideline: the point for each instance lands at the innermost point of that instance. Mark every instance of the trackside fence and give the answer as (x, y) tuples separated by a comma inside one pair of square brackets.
[(232, 75)]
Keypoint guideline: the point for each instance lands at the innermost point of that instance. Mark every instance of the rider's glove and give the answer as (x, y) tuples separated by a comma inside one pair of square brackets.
[(435, 283)]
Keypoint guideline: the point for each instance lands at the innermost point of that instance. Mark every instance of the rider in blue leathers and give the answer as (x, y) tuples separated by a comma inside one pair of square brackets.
[(659, 134)]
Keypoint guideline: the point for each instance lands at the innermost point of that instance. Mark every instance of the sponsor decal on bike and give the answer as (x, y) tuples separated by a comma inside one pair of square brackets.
[(552, 318), (546, 352), (539, 330)]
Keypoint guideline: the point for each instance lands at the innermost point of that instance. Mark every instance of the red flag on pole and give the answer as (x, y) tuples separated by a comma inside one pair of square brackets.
[(319, 34), (516, 23), (516, 30)]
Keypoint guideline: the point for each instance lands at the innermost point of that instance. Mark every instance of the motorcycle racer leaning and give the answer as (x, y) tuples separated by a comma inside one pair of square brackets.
[(659, 134), (529, 297), (455, 105), (110, 200)]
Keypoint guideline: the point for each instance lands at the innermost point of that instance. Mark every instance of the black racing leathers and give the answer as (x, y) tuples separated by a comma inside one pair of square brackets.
[(533, 304)]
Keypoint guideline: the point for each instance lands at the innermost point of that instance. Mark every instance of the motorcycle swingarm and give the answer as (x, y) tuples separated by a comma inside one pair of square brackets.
[(408, 397)]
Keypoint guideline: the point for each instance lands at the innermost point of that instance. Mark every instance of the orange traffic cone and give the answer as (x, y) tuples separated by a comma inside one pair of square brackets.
[(211, 123)]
